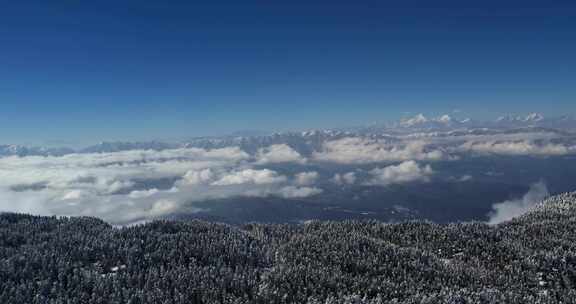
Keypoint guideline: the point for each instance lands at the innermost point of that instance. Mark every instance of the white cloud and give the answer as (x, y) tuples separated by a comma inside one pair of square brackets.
[(299, 192), (508, 210), (198, 177), (445, 118), (344, 179), (408, 171), (118, 185), (250, 176), (129, 186), (123, 187), (143, 193), (27, 201), (523, 147), (356, 150), (73, 195), (465, 178), (306, 178), (110, 172), (281, 153), (163, 207)]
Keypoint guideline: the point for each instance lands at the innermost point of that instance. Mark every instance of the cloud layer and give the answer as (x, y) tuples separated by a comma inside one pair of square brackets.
[(134, 185), (523, 147), (130, 186), (357, 150), (127, 186)]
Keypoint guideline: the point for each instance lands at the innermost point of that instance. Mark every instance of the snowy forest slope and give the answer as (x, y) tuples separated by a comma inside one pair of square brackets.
[(531, 259)]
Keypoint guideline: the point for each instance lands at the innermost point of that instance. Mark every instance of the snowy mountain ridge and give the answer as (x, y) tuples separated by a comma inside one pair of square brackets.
[(418, 126)]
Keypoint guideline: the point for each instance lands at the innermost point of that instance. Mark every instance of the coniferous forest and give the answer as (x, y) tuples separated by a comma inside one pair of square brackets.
[(531, 259)]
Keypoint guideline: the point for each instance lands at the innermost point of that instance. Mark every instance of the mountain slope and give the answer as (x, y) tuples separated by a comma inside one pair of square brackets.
[(531, 259)]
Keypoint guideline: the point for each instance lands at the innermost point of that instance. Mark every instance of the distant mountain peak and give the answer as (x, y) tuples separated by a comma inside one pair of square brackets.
[(416, 120), (531, 117), (421, 121), (534, 117)]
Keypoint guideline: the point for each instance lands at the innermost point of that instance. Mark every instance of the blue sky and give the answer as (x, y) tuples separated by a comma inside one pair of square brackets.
[(86, 71)]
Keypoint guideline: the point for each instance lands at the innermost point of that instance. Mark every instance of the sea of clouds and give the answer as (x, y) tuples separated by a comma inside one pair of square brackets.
[(137, 185)]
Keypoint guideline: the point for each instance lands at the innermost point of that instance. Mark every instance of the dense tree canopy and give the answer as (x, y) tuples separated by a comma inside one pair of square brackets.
[(531, 259)]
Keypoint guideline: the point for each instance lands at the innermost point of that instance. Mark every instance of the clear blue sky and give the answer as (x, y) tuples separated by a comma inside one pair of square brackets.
[(85, 71)]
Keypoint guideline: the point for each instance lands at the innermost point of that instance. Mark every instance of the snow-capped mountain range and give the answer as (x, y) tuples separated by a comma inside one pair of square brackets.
[(307, 141)]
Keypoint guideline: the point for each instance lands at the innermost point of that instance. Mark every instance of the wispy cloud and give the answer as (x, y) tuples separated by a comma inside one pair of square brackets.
[(510, 209), (358, 150), (523, 147)]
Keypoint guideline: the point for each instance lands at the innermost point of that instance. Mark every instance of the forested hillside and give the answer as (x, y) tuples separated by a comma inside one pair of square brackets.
[(531, 259)]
